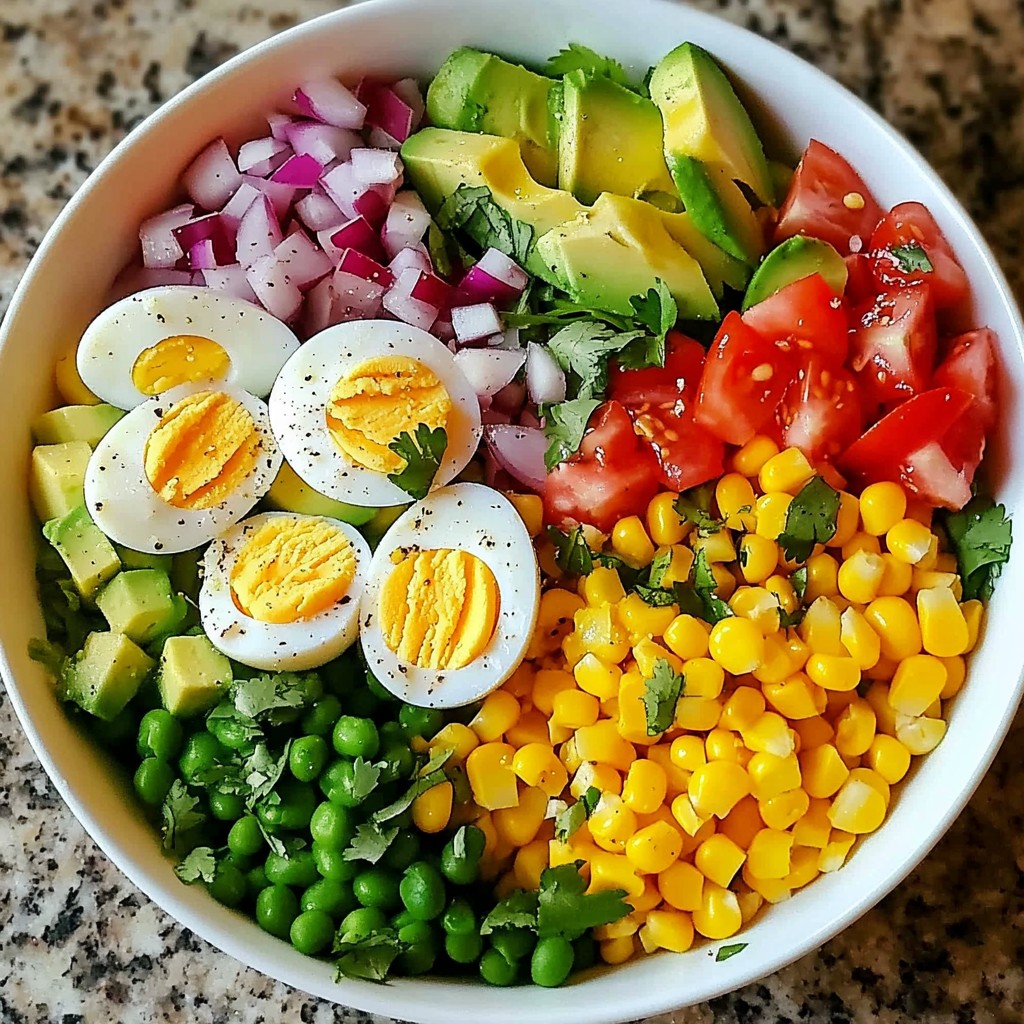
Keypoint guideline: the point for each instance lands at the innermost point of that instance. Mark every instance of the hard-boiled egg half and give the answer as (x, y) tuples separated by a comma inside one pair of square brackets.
[(166, 337), (179, 469), (282, 591), (452, 598), (352, 390)]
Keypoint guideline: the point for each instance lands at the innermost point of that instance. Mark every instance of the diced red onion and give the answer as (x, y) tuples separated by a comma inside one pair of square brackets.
[(528, 417), (329, 101), (508, 339), (374, 203), (433, 290), (236, 206), (376, 166), (263, 156), (160, 249), (443, 329), (545, 379), (318, 211), (490, 417), (488, 370), (273, 286), (280, 196), (259, 233), (279, 124), (406, 224), (354, 262), (230, 280), (316, 316), (323, 236), (398, 301), (212, 228), (380, 139), (511, 397), (502, 268), (137, 279), (479, 286), (474, 323), (211, 179), (408, 90), (413, 258), (359, 234), (355, 298), (201, 255), (301, 170), (305, 263), (520, 452), (387, 111), (323, 142)]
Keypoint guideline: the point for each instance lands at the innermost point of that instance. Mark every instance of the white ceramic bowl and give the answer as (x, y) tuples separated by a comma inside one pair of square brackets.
[(94, 236)]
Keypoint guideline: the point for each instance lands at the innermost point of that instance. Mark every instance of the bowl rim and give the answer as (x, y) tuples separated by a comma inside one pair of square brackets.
[(401, 996)]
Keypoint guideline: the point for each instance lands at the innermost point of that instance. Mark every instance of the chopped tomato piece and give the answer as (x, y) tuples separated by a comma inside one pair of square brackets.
[(613, 475), (661, 402), (892, 344), (828, 200), (860, 281), (808, 316), (909, 248), (820, 412), (970, 365), (909, 446), (744, 379)]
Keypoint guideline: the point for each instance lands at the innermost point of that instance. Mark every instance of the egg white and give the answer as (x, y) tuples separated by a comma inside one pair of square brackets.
[(484, 523), (277, 646), (123, 503), (299, 400), (257, 343)]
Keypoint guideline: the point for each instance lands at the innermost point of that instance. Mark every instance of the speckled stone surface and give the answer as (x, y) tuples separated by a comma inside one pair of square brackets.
[(79, 944)]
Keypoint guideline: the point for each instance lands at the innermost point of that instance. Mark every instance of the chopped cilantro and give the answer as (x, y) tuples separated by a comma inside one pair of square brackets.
[(517, 910), (583, 350), (798, 581), (661, 694), (810, 519), (431, 774), (564, 426), (370, 842), (659, 566), (365, 777), (572, 554), (912, 258), (694, 506), (473, 211), (199, 864), (576, 57), (656, 597), (564, 908), (179, 814), (981, 534), (712, 608), (569, 820), (264, 694), (437, 246), (368, 957), (658, 312), (725, 952), (48, 654), (423, 453)]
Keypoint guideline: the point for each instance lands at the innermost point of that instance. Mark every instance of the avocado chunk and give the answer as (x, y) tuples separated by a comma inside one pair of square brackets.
[(56, 481), (89, 556), (86, 423), (719, 267), (187, 573), (141, 604), (796, 258), (610, 141), (106, 674), (131, 559), (290, 493), (480, 92), (619, 249), (192, 676)]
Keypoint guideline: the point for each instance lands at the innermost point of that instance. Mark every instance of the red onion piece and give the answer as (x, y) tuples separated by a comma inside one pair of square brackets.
[(502, 268), (545, 379), (510, 398), (406, 224), (318, 211), (323, 142), (358, 234), (259, 233), (490, 416), (236, 206), (488, 370), (137, 279), (329, 101), (387, 111), (376, 166), (305, 263), (211, 179), (528, 418), (230, 280), (201, 255), (316, 315), (212, 228), (354, 262), (412, 258), (474, 323), (302, 171), (520, 452), (433, 290), (273, 286), (508, 339), (280, 196), (355, 298), (443, 329), (374, 203), (380, 139), (408, 90), (324, 238), (279, 124), (263, 156), (160, 249), (398, 301), (479, 286)]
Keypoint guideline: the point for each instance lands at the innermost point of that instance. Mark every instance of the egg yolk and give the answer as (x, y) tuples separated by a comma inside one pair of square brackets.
[(203, 449), (438, 609), (291, 569), (378, 400), (183, 359)]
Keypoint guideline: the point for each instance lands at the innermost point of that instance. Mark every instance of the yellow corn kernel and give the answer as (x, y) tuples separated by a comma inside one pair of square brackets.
[(697, 714), (645, 786), (596, 776), (771, 775), (895, 622), (758, 605), (530, 509), (909, 541), (687, 637), (742, 823), (750, 902), (684, 813), (814, 827), (833, 855), (687, 752), (882, 506), (735, 499), (718, 858), (928, 579), (782, 590), (847, 520), (596, 677), (889, 758), (855, 728), (956, 673), (648, 653), (600, 632), (857, 808), (519, 825), (749, 459), (532, 727), (771, 511), (679, 566), (498, 713), (613, 871), (717, 547), (920, 735), (602, 586), (737, 645), (554, 621), (918, 682), (505, 885), (860, 576), (632, 720), (821, 628), (788, 471), (861, 542), (704, 678), (664, 524), (784, 809), (630, 541), (530, 863), (667, 929), (618, 951), (432, 810), (648, 900), (833, 673), (745, 706), (896, 577), (547, 682), (718, 915), (642, 619), (558, 734), (822, 770), (758, 557), (822, 577), (725, 581), (458, 738), (723, 745), (716, 787), (602, 743), (795, 697), (803, 868), (676, 779), (874, 780), (944, 630), (779, 662), (931, 555), (538, 765), (520, 683), (813, 732), (574, 708), (859, 639), (611, 823), (885, 716), (655, 848), (491, 778), (769, 854), (771, 733), (974, 613)]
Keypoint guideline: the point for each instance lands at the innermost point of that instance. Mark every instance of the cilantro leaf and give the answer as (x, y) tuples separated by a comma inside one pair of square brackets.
[(264, 694), (473, 211), (368, 957), (365, 777), (583, 350), (798, 581), (981, 535), (576, 57), (179, 813), (572, 554), (437, 246), (630, 575), (563, 908), (423, 454), (431, 775), (244, 728), (656, 597), (912, 258), (517, 910), (564, 426), (713, 608), (370, 842), (661, 694), (48, 654), (659, 566), (199, 864), (725, 952), (569, 820), (810, 519), (261, 771), (694, 506), (658, 312)]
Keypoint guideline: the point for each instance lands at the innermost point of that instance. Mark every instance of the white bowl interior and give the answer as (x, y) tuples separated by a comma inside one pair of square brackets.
[(65, 286)]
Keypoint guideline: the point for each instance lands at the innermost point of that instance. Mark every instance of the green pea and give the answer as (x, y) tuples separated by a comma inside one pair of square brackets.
[(425, 722), (355, 737), (307, 757), (331, 863), (116, 734), (231, 733), (320, 718), (377, 887), (551, 962), (334, 898), (464, 949), (458, 918), (245, 837), (276, 907), (584, 952), (228, 885), (392, 734), (404, 849), (337, 783), (341, 676), (363, 922), (202, 751), (422, 890), (422, 952), (399, 762), (240, 861), (226, 806), (464, 868), (256, 880), (332, 826), (153, 780), (160, 735), (362, 703), (512, 943), (379, 690), (401, 919), (299, 869), (311, 932), (294, 808), (496, 970)]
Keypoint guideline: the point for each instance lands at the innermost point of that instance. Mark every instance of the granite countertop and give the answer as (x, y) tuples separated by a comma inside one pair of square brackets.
[(78, 943)]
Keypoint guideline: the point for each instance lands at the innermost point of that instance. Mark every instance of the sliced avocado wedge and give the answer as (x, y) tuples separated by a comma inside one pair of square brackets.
[(719, 267), (796, 258), (479, 92)]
